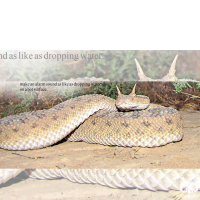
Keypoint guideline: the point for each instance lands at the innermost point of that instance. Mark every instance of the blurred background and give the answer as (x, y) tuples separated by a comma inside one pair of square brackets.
[(113, 65)]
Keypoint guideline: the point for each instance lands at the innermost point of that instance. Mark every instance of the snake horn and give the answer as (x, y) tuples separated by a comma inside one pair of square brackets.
[(118, 91), (133, 91), (141, 74), (171, 74)]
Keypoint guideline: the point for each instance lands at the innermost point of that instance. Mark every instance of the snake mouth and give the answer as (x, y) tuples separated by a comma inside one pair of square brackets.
[(132, 107), (128, 107), (142, 106)]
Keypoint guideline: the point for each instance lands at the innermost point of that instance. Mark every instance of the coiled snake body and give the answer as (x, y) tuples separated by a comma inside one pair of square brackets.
[(150, 125)]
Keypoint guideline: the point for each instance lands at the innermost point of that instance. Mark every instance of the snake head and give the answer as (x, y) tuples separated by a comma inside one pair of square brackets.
[(131, 101)]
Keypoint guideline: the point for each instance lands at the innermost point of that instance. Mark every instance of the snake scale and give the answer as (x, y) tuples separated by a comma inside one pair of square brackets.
[(148, 126), (150, 179)]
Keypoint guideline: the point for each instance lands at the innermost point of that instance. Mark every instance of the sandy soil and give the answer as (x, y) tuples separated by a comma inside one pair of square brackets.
[(183, 154), (33, 189)]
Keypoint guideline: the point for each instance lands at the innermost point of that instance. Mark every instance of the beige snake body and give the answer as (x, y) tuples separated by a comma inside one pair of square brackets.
[(154, 126), (151, 179), (42, 128)]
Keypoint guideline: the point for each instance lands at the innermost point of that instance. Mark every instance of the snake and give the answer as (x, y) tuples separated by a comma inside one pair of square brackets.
[(94, 119), (149, 179)]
